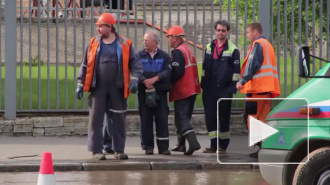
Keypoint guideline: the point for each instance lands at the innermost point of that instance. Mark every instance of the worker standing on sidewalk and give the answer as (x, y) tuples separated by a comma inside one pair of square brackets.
[(107, 133), (152, 94), (105, 72), (221, 72), (259, 76), (185, 87)]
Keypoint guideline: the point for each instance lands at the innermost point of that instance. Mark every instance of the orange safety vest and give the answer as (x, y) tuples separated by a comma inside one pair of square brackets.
[(266, 79), (188, 84), (91, 57)]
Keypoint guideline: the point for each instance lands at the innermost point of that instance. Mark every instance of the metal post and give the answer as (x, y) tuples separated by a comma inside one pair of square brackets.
[(10, 59), (264, 17)]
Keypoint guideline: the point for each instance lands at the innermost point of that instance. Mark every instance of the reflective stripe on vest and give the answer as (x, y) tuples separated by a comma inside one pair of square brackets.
[(267, 78), (267, 66), (189, 58), (230, 50), (208, 49), (188, 84), (226, 53), (236, 76)]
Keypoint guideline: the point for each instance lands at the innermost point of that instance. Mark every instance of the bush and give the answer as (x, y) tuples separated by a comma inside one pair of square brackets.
[(34, 61)]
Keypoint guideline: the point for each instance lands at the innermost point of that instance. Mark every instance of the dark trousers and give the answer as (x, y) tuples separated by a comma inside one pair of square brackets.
[(107, 131), (102, 98), (183, 111), (147, 117), (210, 97)]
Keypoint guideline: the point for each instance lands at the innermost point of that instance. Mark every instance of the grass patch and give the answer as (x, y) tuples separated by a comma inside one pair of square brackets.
[(56, 89)]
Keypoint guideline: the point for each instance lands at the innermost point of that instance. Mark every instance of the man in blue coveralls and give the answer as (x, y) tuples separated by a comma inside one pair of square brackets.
[(152, 94), (221, 72)]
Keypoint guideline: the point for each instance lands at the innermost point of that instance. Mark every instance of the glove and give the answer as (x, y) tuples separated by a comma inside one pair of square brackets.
[(79, 92), (133, 85), (151, 97)]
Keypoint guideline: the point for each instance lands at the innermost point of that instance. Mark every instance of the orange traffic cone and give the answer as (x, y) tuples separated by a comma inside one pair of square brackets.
[(46, 171)]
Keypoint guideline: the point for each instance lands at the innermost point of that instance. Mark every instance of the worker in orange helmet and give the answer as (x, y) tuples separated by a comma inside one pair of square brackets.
[(108, 64), (185, 89)]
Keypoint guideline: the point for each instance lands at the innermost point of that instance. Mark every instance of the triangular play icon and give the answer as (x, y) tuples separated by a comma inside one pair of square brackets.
[(259, 131)]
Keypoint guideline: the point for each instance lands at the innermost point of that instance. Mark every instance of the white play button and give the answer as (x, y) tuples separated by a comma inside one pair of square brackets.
[(259, 131)]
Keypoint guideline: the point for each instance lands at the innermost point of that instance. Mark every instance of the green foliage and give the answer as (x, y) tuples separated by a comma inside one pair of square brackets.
[(34, 61), (295, 8), (283, 22)]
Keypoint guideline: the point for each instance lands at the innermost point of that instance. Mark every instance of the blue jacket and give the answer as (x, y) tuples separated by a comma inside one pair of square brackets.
[(223, 72), (159, 66), (254, 64)]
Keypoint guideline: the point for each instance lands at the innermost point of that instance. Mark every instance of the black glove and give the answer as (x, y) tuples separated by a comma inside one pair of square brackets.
[(79, 92), (151, 97), (133, 85)]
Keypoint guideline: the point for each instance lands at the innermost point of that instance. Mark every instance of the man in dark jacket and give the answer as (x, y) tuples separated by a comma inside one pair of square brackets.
[(185, 88), (221, 72), (152, 94)]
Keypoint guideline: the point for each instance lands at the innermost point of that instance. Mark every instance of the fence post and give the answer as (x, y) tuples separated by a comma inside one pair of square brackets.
[(264, 17), (10, 59)]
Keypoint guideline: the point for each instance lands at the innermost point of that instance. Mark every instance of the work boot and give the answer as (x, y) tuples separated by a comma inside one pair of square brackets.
[(180, 146), (149, 151), (121, 156), (193, 143), (108, 151), (255, 154), (99, 156), (164, 152), (221, 151), (209, 150)]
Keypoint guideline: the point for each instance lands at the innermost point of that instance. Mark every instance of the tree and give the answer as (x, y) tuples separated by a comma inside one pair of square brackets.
[(300, 7)]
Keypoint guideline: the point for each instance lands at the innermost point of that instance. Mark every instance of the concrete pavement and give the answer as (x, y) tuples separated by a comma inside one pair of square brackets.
[(24, 153)]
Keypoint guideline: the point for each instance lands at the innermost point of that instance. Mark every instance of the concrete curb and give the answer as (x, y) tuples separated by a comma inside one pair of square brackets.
[(34, 167), (126, 166), (175, 165), (114, 166), (67, 167), (19, 167), (215, 166)]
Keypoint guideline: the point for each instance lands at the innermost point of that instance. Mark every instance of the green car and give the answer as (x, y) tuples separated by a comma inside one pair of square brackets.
[(299, 153)]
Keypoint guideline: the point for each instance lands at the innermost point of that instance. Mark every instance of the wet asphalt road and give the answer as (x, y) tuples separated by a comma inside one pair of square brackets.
[(184, 177)]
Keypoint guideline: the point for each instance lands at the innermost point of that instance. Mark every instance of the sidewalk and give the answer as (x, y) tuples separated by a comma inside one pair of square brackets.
[(21, 154)]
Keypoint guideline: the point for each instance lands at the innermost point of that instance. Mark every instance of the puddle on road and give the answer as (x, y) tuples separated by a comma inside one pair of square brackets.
[(159, 177)]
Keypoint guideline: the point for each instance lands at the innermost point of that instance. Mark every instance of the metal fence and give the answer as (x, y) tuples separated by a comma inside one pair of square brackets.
[(52, 35)]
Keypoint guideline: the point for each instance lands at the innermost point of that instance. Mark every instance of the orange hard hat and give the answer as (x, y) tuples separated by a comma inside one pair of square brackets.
[(106, 19), (175, 31)]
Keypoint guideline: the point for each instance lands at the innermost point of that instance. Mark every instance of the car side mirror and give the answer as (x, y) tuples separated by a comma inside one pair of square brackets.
[(303, 61)]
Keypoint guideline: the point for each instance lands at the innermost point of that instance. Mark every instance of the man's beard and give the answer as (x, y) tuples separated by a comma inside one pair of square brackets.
[(105, 36)]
